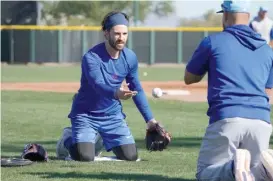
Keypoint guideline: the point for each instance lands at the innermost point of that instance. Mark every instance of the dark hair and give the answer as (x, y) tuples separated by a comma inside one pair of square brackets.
[(110, 14)]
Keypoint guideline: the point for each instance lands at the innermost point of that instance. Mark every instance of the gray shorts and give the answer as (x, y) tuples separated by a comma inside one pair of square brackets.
[(220, 142)]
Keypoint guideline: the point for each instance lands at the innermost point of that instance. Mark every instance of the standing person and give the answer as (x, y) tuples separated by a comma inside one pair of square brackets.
[(97, 108), (262, 24), (240, 70)]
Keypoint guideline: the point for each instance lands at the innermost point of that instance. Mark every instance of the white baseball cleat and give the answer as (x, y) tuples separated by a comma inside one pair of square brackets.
[(241, 168), (267, 160), (61, 151)]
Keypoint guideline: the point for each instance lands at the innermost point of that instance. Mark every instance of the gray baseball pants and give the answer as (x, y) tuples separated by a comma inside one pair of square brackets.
[(222, 138)]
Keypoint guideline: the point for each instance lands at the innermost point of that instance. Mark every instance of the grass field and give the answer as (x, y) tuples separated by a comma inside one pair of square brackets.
[(72, 73), (40, 117)]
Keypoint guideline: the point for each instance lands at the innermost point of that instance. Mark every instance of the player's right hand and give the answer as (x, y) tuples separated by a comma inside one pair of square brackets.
[(124, 93)]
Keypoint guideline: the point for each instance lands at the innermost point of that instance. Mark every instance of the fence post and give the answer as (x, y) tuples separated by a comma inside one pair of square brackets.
[(11, 46), (32, 46), (179, 46), (206, 33), (152, 47), (84, 45), (136, 12), (60, 45)]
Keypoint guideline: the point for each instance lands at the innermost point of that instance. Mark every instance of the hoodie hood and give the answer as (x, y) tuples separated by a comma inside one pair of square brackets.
[(246, 36)]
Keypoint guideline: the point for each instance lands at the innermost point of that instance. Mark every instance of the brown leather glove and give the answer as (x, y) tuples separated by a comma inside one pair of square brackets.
[(157, 138)]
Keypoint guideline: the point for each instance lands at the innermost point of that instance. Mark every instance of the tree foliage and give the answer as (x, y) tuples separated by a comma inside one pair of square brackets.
[(208, 19), (93, 11)]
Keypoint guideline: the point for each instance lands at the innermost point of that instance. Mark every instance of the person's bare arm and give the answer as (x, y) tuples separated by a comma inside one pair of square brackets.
[(271, 44), (190, 78), (269, 92)]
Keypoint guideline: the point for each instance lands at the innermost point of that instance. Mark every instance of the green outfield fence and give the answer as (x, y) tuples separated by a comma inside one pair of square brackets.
[(64, 44)]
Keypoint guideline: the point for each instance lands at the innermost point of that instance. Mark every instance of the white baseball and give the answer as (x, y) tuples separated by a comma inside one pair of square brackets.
[(157, 92)]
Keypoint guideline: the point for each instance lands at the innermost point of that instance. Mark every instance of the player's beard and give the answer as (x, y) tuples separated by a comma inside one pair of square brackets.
[(115, 44)]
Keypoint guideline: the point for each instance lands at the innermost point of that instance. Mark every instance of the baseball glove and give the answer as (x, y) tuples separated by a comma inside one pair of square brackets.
[(157, 138)]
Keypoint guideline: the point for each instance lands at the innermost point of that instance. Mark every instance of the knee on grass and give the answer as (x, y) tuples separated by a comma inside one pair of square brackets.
[(130, 157), (126, 152), (84, 157), (84, 152)]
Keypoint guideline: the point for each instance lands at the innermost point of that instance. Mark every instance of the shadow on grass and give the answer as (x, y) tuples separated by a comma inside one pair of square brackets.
[(105, 176), (188, 142), (50, 146), (18, 147)]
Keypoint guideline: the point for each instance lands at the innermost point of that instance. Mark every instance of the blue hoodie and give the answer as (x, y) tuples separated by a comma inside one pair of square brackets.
[(240, 66), (101, 77)]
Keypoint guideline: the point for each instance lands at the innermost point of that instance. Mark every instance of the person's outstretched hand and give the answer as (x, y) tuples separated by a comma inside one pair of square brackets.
[(124, 93)]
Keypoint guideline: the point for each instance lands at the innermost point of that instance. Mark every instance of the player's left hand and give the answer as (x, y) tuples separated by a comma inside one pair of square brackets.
[(157, 138), (151, 124)]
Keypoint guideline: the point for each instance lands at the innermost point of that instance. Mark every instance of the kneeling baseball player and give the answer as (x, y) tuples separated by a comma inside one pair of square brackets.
[(97, 110)]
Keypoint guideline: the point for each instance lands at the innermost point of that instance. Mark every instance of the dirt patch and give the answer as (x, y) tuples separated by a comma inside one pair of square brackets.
[(198, 92)]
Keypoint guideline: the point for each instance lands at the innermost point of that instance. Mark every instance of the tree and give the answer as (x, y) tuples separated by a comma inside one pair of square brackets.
[(208, 19), (93, 11)]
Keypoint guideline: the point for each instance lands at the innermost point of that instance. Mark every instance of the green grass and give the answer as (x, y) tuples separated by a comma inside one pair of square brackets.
[(21, 73), (39, 117)]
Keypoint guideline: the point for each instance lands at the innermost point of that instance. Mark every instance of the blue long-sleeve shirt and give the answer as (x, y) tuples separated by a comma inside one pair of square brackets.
[(101, 77)]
